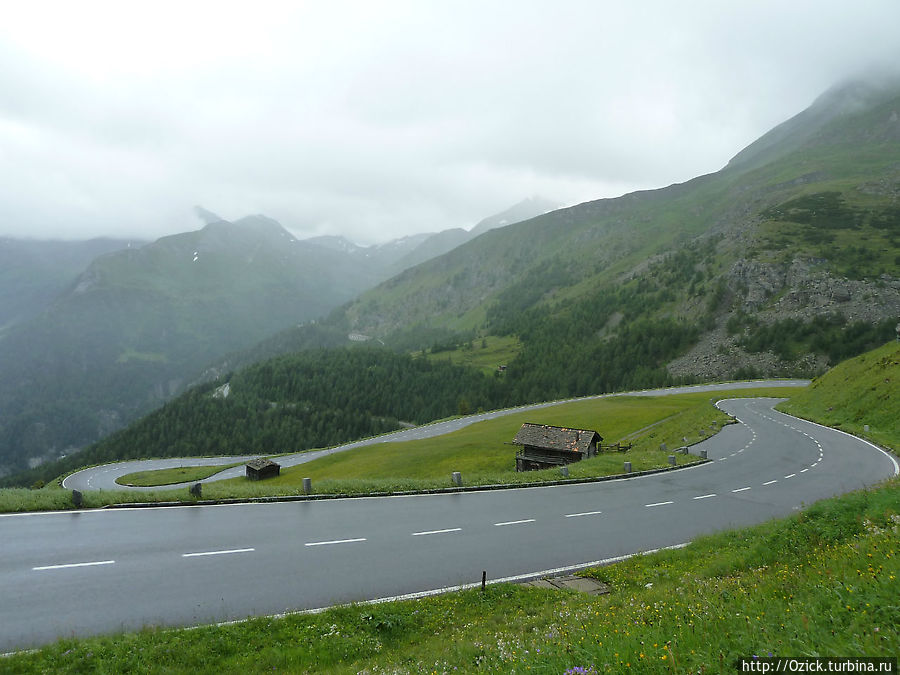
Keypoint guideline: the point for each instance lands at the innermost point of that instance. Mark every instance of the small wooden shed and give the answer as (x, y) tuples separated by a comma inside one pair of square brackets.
[(545, 446), (257, 469)]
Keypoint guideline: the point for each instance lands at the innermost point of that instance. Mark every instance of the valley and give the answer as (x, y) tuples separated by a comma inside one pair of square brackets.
[(401, 338)]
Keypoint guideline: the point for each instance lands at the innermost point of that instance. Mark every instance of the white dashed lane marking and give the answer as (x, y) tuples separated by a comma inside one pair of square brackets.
[(586, 513), (225, 552), (770, 482), (514, 522), (713, 494), (658, 504), (741, 489), (444, 531), (71, 565), (334, 541)]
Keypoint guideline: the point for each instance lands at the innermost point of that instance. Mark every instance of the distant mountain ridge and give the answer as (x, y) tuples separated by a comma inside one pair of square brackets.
[(33, 273), (392, 257), (87, 352)]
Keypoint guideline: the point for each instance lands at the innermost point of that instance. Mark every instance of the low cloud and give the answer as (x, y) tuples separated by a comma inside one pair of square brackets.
[(376, 120)]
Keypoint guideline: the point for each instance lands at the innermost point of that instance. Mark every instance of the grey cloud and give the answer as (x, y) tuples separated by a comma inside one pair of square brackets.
[(381, 119)]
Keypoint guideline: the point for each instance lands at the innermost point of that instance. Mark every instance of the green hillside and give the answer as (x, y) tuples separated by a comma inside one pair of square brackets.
[(860, 396), (313, 398)]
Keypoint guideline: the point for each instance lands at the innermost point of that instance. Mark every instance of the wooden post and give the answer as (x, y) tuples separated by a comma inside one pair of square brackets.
[(483, 580)]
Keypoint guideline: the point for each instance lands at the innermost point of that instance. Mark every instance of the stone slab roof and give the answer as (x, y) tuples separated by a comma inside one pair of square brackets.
[(261, 463), (556, 438)]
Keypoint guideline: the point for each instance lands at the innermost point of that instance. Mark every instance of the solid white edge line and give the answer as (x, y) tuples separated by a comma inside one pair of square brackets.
[(70, 565), (462, 587), (845, 433), (335, 541), (449, 529), (658, 504), (586, 513), (514, 522), (233, 550)]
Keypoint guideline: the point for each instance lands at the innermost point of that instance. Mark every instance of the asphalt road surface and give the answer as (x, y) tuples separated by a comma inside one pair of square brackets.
[(91, 572)]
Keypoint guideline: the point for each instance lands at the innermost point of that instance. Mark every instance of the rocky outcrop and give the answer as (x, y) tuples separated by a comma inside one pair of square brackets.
[(802, 291), (773, 292)]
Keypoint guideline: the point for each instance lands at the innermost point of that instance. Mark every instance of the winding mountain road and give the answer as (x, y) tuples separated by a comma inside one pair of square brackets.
[(90, 572), (104, 477)]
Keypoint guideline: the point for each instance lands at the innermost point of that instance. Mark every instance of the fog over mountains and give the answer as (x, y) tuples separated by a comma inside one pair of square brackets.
[(96, 333)]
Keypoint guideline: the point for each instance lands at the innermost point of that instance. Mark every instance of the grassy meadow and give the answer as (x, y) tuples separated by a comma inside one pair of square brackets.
[(179, 474), (483, 454), (486, 354)]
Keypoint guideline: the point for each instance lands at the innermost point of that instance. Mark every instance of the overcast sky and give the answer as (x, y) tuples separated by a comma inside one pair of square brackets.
[(380, 119)]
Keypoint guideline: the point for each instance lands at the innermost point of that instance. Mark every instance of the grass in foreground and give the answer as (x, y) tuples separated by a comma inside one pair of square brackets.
[(823, 582)]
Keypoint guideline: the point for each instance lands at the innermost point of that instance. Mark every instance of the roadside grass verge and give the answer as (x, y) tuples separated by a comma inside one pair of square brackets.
[(161, 477), (823, 582), (855, 394), (55, 498)]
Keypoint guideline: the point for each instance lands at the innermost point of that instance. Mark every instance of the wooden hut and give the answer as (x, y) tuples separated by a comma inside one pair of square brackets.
[(545, 446), (258, 469)]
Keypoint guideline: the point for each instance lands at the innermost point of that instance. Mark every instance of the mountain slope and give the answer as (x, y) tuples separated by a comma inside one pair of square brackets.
[(447, 240), (804, 221), (33, 273), (140, 324), (133, 327)]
